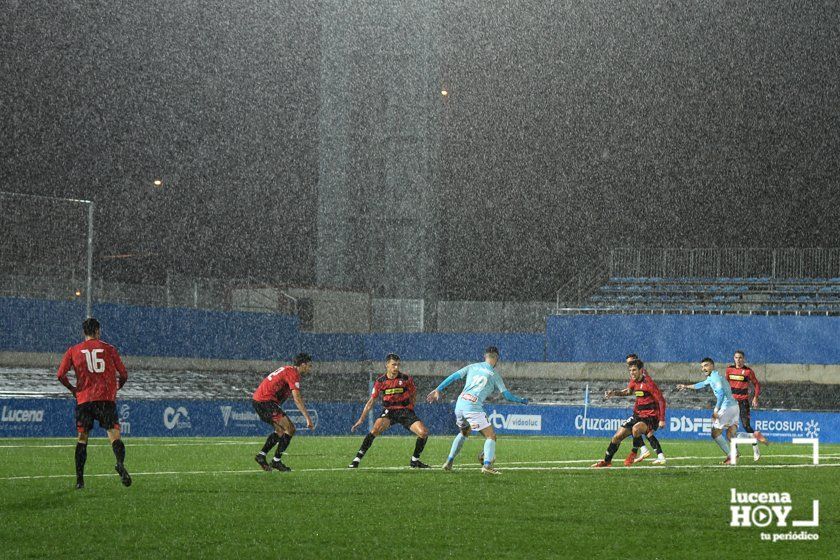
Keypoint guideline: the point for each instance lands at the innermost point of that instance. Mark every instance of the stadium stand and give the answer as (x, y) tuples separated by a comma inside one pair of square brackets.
[(353, 387), (716, 295)]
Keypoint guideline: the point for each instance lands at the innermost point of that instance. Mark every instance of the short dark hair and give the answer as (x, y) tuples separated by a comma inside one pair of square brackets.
[(740, 352), (491, 350), (90, 326), (639, 364), (631, 356), (301, 359), (392, 358), (707, 359)]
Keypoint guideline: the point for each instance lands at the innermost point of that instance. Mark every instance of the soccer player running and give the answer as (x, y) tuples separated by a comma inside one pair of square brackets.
[(481, 381), (651, 437), (96, 365), (740, 376), (267, 401), (725, 414), (398, 396), (648, 415)]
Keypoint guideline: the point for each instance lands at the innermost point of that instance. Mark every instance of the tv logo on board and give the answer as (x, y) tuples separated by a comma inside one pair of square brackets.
[(176, 419), (240, 418), (763, 509), (530, 422), (21, 416)]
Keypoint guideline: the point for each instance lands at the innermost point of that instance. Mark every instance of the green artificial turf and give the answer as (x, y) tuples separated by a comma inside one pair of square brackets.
[(207, 498)]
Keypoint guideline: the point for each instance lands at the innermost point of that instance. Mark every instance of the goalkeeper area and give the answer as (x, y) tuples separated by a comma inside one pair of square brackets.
[(206, 497)]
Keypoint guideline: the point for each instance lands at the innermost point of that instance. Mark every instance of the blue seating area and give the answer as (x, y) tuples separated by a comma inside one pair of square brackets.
[(718, 295)]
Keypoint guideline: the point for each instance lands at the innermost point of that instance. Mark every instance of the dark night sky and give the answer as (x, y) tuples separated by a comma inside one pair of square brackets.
[(570, 127)]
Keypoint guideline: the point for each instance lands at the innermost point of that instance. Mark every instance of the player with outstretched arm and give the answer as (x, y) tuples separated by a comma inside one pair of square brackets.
[(481, 381), (725, 413)]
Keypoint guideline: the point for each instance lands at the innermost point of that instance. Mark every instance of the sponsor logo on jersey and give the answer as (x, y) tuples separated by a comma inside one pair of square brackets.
[(736, 377), (640, 393), (395, 391)]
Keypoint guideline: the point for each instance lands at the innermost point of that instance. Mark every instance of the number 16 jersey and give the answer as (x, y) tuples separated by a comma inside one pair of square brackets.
[(96, 364)]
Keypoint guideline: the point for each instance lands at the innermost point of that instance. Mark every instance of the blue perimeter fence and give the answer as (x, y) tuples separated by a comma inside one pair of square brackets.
[(161, 418)]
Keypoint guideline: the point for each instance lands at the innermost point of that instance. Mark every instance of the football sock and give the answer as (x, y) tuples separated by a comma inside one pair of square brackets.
[(119, 451), (418, 448), (365, 446), (489, 451), (457, 443), (81, 457), (643, 449), (282, 444), (270, 442), (611, 449), (637, 443), (654, 442), (723, 444)]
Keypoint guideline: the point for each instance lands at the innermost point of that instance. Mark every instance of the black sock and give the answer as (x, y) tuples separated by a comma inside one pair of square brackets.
[(270, 442), (637, 443), (654, 442), (81, 458), (119, 451), (418, 447), (611, 449), (282, 444), (365, 446)]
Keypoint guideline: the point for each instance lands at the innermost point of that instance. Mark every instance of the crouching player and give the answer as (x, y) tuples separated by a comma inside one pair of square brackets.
[(648, 415), (481, 381), (725, 414), (267, 401), (398, 396)]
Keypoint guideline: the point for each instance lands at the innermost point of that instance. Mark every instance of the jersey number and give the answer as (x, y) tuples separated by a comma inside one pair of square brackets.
[(95, 364), (479, 383)]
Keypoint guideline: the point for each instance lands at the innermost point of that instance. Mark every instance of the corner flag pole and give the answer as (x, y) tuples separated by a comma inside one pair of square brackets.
[(585, 406)]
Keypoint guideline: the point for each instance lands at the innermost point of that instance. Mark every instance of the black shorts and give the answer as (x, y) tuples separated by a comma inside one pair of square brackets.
[(268, 411), (744, 407), (403, 416), (104, 412), (651, 421)]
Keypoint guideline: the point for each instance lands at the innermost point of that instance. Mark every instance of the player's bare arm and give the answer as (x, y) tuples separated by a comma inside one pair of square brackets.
[(302, 408), (616, 393), (365, 411)]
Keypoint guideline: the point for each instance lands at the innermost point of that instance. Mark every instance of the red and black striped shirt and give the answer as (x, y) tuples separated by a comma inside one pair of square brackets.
[(739, 381), (397, 392), (649, 399)]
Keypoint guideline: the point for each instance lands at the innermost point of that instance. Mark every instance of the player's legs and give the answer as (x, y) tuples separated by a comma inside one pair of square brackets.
[(744, 410), (268, 412), (84, 424), (382, 423), (106, 414), (489, 449), (657, 447), (620, 435), (283, 425), (457, 444), (422, 433), (723, 443), (638, 430)]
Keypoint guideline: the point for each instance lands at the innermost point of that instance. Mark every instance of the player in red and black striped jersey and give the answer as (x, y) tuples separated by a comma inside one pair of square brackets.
[(267, 401), (398, 396), (97, 365), (650, 435), (740, 376), (648, 413)]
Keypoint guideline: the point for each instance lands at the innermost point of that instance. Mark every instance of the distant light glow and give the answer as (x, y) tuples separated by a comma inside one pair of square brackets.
[(78, 293), (444, 92), (158, 182)]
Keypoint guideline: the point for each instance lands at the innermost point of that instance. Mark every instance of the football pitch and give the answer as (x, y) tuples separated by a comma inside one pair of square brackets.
[(207, 498)]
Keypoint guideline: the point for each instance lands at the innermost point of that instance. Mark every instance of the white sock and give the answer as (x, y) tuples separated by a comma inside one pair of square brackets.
[(642, 450), (415, 458), (660, 456)]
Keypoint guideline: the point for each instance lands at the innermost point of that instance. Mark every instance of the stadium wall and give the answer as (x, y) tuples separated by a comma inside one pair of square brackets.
[(55, 418), (40, 326)]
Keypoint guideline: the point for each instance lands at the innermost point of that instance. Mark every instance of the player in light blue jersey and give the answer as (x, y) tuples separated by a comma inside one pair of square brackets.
[(481, 381), (725, 414)]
